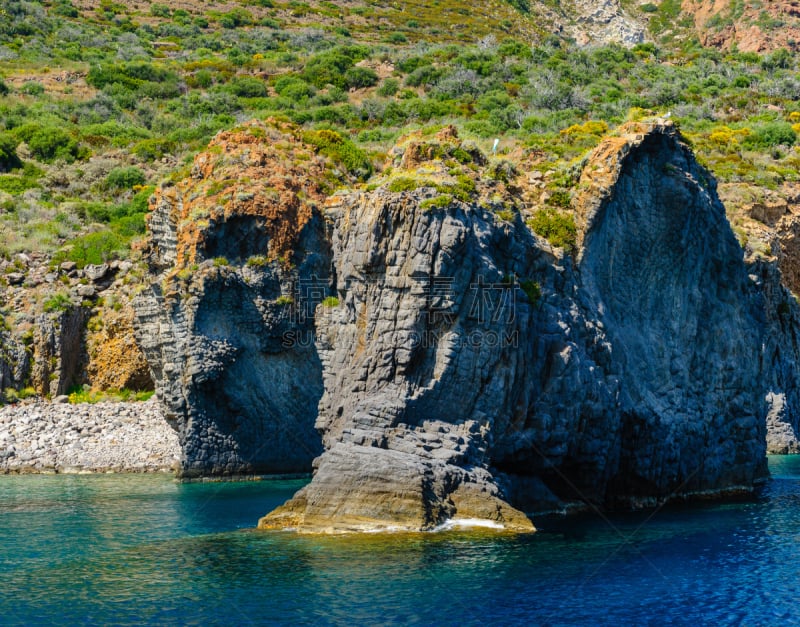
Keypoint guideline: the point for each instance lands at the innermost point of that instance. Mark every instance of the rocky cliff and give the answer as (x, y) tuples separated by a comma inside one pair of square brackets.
[(747, 25), (240, 260), (66, 327), (638, 374), (454, 363)]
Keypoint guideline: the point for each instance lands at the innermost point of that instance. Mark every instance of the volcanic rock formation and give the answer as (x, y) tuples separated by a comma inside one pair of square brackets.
[(637, 376), (461, 367), (240, 260)]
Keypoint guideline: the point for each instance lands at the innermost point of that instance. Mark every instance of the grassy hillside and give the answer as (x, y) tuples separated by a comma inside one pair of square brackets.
[(99, 101)]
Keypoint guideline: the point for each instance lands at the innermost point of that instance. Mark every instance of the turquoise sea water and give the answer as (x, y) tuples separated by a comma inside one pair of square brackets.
[(137, 549)]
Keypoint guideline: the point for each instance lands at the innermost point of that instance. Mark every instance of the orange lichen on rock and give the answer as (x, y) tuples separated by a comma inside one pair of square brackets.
[(254, 187), (115, 359)]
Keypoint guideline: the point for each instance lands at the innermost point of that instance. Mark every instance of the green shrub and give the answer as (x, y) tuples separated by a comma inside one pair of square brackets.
[(49, 142), (65, 8), (406, 184), (340, 150), (532, 290), (83, 394), (395, 38), (772, 134), (389, 87), (558, 228), (424, 76), (502, 170), (330, 67), (32, 88), (140, 78), (152, 149), (95, 248), (257, 261), (160, 10), (130, 226), (358, 77), (3, 88), (445, 200), (125, 178), (330, 301), (119, 134), (8, 152), (15, 184), (235, 18), (57, 302), (248, 87), (294, 88)]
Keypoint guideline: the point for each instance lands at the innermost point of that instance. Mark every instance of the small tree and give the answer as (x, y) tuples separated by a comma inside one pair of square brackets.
[(125, 178), (8, 153)]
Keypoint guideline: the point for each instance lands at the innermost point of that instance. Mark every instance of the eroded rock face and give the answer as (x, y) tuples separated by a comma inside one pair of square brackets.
[(241, 260), (455, 365), (782, 356), (605, 22), (667, 276), (59, 351), (114, 357), (726, 24), (14, 362), (636, 377)]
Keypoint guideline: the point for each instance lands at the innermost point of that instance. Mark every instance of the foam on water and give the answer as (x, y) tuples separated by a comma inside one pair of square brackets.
[(469, 523)]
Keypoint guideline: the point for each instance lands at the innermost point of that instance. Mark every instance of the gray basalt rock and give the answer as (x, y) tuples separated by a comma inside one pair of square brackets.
[(461, 368), (59, 352), (15, 362), (638, 376), (228, 337), (782, 354), (235, 365)]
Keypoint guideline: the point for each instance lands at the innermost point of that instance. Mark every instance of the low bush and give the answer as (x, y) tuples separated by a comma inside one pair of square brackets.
[(357, 77), (340, 150), (57, 302), (9, 159), (330, 67), (95, 248), (248, 87), (125, 178), (406, 184), (294, 88), (532, 290), (559, 228), (771, 134)]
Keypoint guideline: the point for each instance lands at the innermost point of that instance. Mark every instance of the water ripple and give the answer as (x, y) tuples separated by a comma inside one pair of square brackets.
[(147, 550)]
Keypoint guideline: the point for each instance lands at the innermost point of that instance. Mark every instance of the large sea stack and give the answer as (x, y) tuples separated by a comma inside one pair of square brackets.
[(462, 367)]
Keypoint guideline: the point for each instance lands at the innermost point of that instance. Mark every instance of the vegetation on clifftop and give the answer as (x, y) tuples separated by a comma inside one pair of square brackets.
[(100, 101)]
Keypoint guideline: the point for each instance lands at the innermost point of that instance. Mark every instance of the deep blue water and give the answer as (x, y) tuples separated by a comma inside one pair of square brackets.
[(137, 549)]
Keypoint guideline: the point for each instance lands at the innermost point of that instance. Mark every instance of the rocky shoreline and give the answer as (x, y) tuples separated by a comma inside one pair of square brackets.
[(44, 437)]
